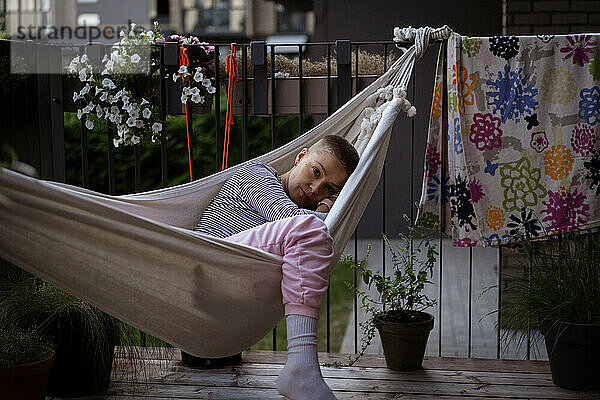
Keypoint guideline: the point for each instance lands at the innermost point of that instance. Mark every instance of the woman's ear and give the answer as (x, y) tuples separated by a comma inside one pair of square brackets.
[(300, 155)]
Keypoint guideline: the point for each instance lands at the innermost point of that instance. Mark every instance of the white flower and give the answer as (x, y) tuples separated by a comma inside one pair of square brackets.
[(135, 139), (98, 90), (117, 142), (75, 60), (105, 72), (175, 76), (89, 124), (135, 113), (183, 99), (79, 113), (104, 96), (147, 113), (90, 78), (139, 123), (183, 70), (89, 108), (99, 111), (157, 127), (84, 58), (196, 98), (110, 65), (144, 101), (106, 82), (194, 91), (125, 99), (75, 96), (187, 90), (128, 108), (114, 110), (198, 76), (111, 99), (211, 90), (105, 59), (130, 122), (122, 130), (83, 75), (135, 58), (206, 82), (85, 90)]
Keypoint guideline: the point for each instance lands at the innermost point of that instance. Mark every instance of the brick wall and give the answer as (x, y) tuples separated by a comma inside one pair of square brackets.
[(551, 16)]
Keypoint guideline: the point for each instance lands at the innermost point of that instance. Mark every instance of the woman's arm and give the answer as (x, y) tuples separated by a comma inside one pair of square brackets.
[(263, 190)]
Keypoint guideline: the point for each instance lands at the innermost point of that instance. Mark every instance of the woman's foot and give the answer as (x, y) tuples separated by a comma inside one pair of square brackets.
[(301, 377)]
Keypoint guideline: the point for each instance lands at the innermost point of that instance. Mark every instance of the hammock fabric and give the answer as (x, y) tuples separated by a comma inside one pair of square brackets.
[(136, 257), (522, 156)]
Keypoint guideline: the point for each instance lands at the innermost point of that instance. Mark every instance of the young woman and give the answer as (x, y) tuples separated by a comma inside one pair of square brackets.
[(284, 215)]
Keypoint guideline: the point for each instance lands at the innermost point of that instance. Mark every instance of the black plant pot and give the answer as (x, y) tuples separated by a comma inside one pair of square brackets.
[(404, 342), (574, 353), (79, 370)]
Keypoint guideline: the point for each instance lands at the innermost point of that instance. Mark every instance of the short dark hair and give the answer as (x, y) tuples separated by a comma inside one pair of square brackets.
[(342, 149)]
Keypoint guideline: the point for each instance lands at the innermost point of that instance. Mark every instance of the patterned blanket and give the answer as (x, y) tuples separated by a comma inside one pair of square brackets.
[(522, 155)]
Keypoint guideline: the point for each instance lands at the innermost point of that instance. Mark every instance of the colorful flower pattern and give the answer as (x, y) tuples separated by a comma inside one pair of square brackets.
[(589, 105), (521, 183), (565, 210), (486, 132), (583, 139), (579, 48), (494, 217), (512, 94), (539, 141), (558, 86), (523, 146), (558, 162)]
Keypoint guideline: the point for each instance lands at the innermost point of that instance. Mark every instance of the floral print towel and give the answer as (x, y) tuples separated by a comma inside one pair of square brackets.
[(521, 151)]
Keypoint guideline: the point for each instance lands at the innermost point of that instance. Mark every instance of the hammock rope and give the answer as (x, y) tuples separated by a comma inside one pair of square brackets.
[(184, 60), (136, 257), (232, 71)]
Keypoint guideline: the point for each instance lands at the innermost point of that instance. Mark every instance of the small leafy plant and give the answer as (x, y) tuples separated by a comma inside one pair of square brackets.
[(400, 295)]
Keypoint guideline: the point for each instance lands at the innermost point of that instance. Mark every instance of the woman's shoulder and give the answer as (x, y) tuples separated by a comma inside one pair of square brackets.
[(259, 170)]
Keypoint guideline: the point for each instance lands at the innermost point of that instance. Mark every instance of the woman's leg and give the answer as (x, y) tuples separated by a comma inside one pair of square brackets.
[(308, 258)]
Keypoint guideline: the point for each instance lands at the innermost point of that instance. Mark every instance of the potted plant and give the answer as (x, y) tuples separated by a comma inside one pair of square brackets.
[(314, 82), (398, 311), (25, 365), (556, 296), (83, 336)]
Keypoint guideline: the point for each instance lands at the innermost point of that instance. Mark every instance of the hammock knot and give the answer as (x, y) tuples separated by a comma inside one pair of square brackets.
[(420, 37)]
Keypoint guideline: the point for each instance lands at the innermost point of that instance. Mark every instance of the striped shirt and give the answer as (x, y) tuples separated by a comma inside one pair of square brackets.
[(251, 197)]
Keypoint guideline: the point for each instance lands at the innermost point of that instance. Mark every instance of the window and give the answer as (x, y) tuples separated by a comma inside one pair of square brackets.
[(88, 19), (290, 21), (216, 16)]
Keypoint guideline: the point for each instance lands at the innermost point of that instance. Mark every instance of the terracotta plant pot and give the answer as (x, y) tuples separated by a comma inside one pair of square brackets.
[(574, 353), (26, 381), (404, 342)]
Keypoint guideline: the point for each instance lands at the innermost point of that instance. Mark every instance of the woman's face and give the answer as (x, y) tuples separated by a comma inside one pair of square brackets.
[(316, 175)]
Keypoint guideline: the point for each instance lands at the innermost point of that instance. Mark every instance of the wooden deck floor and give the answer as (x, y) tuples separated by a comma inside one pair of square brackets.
[(163, 376)]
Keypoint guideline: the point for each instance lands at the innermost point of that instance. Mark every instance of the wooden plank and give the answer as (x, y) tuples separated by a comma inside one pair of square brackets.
[(369, 360), (162, 368), (156, 391), (447, 363), (418, 383)]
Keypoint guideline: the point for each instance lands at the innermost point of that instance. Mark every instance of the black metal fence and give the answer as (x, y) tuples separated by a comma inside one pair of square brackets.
[(32, 121)]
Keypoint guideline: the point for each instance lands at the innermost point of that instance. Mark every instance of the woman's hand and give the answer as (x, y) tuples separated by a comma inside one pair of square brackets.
[(325, 204)]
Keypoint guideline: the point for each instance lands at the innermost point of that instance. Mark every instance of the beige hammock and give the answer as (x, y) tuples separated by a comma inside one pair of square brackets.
[(136, 258)]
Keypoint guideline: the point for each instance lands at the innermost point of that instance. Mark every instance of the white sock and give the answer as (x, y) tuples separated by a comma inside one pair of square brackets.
[(301, 377)]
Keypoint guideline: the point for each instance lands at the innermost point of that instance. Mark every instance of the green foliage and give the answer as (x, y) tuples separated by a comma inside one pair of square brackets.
[(413, 262), (559, 282), (203, 150), (21, 347)]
